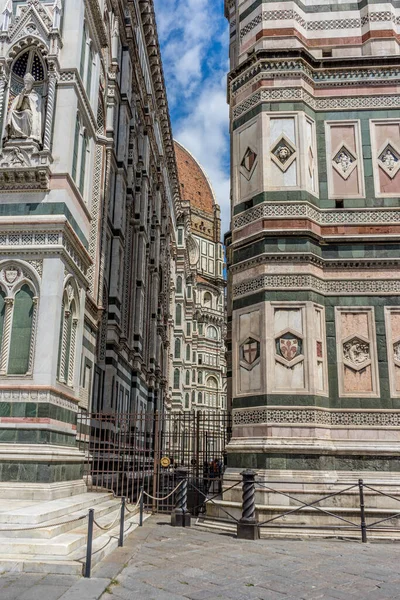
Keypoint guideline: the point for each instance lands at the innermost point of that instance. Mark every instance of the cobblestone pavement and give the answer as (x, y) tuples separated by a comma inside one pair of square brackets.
[(178, 564), (159, 562)]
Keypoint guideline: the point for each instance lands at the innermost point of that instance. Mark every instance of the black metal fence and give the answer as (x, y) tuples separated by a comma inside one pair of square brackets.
[(130, 451)]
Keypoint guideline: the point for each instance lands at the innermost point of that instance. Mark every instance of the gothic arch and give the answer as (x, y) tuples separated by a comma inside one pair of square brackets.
[(70, 315)]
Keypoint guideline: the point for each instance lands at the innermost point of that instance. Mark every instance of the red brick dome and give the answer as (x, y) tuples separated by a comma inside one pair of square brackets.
[(194, 183)]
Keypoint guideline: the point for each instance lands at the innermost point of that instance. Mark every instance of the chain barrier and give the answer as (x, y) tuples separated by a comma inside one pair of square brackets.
[(136, 505), (107, 527), (165, 497)]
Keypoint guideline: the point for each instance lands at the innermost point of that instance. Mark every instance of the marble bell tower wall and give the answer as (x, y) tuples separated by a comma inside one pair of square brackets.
[(315, 288)]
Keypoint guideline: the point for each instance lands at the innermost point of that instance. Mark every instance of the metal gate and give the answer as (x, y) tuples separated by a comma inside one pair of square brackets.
[(124, 453)]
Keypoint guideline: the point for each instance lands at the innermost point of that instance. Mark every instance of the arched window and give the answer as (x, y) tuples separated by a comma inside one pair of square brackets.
[(207, 300), (18, 316), (200, 377), (179, 285), (187, 380), (68, 330), (176, 379), (212, 332), (177, 348), (21, 332), (187, 400), (200, 398), (194, 376), (188, 352), (178, 315), (76, 148)]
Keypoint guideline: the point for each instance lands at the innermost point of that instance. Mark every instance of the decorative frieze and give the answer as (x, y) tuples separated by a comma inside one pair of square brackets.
[(316, 416), (294, 210), (331, 103), (322, 286)]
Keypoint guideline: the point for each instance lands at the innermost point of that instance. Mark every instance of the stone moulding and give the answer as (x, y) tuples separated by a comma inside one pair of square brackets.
[(310, 282), (290, 210), (298, 94), (316, 416)]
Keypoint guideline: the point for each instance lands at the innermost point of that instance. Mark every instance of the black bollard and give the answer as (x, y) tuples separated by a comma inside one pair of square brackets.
[(88, 564), (362, 512), (180, 516), (247, 527), (121, 524), (141, 506)]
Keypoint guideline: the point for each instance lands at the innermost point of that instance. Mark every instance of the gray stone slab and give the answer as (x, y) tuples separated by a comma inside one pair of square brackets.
[(43, 592), (87, 589)]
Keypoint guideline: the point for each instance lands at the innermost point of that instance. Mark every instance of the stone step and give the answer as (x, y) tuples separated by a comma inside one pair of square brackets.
[(300, 533), (41, 512), (62, 524), (72, 564)]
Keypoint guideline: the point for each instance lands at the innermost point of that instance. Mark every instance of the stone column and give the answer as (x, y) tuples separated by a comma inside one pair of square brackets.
[(50, 111)]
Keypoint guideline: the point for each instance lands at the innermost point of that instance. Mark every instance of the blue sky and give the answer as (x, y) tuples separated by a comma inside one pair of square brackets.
[(194, 41)]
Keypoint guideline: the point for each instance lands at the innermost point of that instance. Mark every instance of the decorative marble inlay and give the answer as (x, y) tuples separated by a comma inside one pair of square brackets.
[(250, 352), (283, 153), (289, 347), (356, 353), (248, 163), (344, 161), (389, 160), (315, 416)]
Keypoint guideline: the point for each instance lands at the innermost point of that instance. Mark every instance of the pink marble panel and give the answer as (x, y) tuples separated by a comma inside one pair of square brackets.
[(345, 187), (389, 185), (395, 324), (354, 323), (357, 381), (397, 378), (385, 132)]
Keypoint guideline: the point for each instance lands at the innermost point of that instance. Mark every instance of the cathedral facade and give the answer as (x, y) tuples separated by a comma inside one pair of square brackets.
[(314, 246), (89, 202), (198, 367)]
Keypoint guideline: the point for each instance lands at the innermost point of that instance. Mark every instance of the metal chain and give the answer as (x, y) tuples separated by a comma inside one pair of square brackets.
[(107, 527), (165, 497), (136, 505)]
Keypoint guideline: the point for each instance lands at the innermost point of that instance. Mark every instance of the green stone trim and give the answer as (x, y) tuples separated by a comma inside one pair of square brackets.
[(30, 472), (37, 410), (43, 208), (286, 244), (36, 436), (314, 462)]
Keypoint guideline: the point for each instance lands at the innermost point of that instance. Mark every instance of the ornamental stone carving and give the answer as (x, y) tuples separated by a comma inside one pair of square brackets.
[(389, 160), (344, 161), (356, 352), (283, 153), (249, 353)]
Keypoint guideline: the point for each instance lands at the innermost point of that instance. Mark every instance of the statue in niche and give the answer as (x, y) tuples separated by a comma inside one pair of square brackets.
[(24, 118)]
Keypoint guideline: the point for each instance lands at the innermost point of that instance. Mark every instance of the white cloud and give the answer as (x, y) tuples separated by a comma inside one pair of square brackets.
[(194, 38)]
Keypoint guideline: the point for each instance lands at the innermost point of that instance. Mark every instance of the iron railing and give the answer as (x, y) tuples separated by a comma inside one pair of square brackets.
[(124, 452)]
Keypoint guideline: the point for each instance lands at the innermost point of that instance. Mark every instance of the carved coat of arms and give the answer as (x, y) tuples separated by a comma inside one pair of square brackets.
[(250, 351), (289, 348), (11, 275)]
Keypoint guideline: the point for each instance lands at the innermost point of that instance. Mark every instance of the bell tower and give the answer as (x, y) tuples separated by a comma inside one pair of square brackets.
[(315, 223)]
